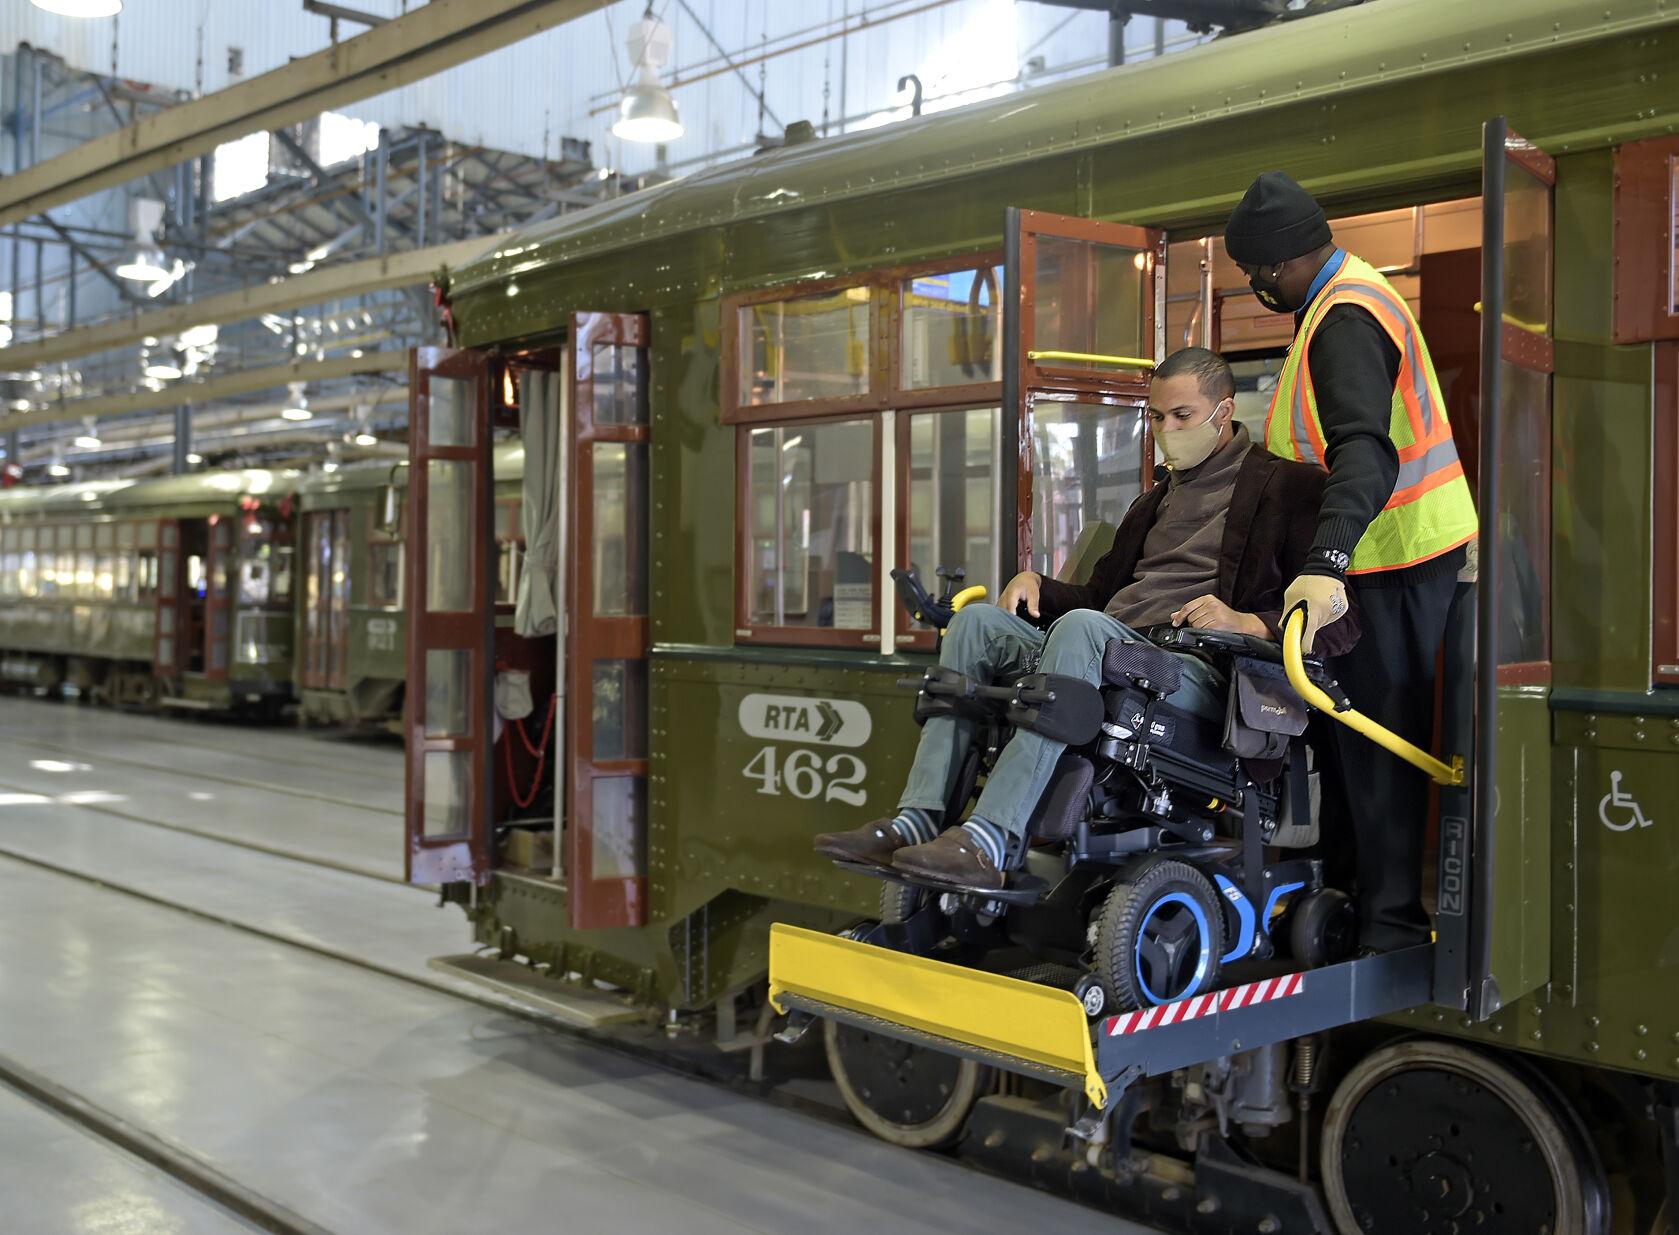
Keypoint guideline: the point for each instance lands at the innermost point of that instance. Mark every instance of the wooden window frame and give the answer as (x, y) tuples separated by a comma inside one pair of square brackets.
[(1645, 201), (1664, 625)]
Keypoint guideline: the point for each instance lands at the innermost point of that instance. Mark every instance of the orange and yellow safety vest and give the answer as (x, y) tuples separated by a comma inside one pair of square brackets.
[(1430, 511)]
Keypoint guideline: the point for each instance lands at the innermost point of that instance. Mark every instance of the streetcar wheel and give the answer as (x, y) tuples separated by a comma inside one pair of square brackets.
[(1160, 935), (1426, 1138), (907, 1095)]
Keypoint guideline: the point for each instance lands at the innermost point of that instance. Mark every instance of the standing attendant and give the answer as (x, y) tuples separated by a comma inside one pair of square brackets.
[(1358, 397)]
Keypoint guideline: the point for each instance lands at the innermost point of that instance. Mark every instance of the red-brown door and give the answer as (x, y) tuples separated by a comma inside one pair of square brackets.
[(166, 636), (606, 589), (218, 598), (450, 601), (1083, 327)]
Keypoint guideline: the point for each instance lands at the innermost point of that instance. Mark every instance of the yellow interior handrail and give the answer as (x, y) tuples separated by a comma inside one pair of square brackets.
[(967, 595), (1293, 635), (1510, 319), (1131, 362)]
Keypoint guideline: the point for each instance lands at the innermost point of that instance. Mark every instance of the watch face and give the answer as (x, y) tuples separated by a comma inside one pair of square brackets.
[(1335, 558)]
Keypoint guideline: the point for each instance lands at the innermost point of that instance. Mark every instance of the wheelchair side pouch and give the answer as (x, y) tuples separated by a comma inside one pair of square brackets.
[(1063, 709), (1263, 711), (1127, 662)]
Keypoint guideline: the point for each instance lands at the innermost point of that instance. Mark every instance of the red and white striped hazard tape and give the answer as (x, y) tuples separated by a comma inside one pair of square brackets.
[(1245, 996)]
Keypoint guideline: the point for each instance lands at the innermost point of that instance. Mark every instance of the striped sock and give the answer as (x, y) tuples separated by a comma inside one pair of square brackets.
[(991, 839), (916, 826)]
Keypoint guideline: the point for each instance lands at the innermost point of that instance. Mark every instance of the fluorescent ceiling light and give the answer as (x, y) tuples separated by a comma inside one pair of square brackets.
[(80, 8), (88, 441), (366, 439), (163, 368), (198, 336), (296, 413)]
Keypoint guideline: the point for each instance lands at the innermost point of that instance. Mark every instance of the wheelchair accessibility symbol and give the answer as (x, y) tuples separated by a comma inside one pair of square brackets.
[(1631, 813)]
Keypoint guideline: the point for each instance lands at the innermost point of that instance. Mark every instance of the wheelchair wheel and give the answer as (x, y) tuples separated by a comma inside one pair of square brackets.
[(1160, 935), (1323, 928), (899, 902)]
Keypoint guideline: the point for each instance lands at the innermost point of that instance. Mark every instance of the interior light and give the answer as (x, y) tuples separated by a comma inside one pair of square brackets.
[(303, 267), (147, 267), (366, 439), (194, 457), (296, 413), (80, 8), (297, 403), (57, 469), (162, 368), (199, 336), (331, 465), (647, 113), (88, 441)]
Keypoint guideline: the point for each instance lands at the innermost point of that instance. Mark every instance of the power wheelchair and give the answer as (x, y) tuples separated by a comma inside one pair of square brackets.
[(1165, 845)]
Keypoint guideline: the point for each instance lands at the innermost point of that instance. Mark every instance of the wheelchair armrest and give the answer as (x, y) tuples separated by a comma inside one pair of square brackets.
[(1220, 646)]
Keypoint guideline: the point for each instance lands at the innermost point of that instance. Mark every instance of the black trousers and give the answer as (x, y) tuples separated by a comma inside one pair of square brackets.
[(1389, 676)]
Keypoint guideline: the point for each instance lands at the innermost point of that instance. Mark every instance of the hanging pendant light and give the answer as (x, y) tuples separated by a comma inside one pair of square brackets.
[(79, 8), (297, 404), (647, 113), (145, 214)]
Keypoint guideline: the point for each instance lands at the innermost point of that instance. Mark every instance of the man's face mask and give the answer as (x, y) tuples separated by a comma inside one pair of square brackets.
[(1268, 292), (1189, 447)]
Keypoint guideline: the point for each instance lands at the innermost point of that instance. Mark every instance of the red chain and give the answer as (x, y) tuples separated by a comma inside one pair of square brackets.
[(539, 752)]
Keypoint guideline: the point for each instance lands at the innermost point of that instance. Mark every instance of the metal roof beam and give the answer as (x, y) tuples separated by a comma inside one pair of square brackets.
[(316, 287), (426, 41), (244, 381)]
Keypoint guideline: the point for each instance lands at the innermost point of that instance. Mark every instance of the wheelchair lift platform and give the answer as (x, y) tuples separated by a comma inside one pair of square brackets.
[(1043, 1031)]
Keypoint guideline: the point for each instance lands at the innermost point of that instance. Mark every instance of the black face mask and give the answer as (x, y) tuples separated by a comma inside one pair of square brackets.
[(1270, 295)]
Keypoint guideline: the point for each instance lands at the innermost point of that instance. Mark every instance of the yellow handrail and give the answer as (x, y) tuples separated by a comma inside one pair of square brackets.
[(1293, 630), (967, 594), (1510, 319), (1134, 362)]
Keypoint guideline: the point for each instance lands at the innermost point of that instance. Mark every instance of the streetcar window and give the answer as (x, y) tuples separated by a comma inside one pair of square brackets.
[(951, 328), (805, 347), (145, 575), (618, 387), (1524, 526), (811, 522), (1086, 464), (953, 469), (264, 565), (510, 547), (618, 550), (1091, 298), (8, 562), (384, 563), (28, 579)]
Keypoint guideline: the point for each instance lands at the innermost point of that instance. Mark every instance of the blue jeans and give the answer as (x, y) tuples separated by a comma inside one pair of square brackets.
[(987, 644)]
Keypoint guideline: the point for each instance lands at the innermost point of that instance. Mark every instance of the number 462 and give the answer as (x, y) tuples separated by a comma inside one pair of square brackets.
[(801, 774)]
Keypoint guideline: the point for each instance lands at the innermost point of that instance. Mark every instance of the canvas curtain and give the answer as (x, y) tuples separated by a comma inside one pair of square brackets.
[(539, 422)]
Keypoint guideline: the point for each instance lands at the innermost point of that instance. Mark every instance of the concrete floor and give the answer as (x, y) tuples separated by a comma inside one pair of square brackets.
[(363, 1102)]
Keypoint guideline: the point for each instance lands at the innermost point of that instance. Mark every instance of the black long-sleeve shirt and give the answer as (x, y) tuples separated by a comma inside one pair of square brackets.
[(1354, 366)]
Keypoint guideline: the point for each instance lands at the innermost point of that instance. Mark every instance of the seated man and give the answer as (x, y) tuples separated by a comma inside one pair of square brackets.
[(1213, 546)]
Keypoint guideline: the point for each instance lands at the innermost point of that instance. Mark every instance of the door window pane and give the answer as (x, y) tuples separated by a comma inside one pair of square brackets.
[(385, 566), (951, 328), (1527, 250), (806, 347), (448, 693), (953, 464), (618, 709), (448, 520), (448, 775), (1091, 298), (810, 540), (619, 393), (615, 835), (1086, 466), (449, 411), (619, 542), (1524, 522)]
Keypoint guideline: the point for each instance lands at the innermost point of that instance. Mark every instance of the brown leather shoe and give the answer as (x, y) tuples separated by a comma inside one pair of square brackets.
[(875, 843), (952, 857)]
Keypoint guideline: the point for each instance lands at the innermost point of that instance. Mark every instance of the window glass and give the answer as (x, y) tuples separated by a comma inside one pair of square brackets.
[(619, 545), (619, 394), (1086, 466), (810, 511), (448, 554), (447, 793), (805, 347), (145, 575), (619, 804), (104, 576), (951, 328), (1091, 298), (1524, 524), (384, 572), (618, 709), (1527, 250), (264, 565), (448, 693), (953, 466), (84, 572), (28, 570), (449, 411)]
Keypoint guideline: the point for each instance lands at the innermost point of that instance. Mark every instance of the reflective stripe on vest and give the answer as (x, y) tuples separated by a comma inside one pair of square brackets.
[(1430, 511)]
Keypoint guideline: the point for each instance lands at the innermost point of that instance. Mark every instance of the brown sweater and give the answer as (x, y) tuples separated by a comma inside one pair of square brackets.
[(1180, 552), (1268, 531)]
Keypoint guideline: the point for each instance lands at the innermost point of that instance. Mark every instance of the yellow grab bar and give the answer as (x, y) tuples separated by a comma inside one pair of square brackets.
[(977, 592), (1134, 362), (1293, 632), (1510, 319)]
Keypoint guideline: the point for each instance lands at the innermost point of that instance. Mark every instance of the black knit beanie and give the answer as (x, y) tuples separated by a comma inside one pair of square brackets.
[(1276, 220)]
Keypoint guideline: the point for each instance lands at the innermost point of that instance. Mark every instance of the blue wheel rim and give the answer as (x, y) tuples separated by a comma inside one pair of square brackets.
[(1173, 913)]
